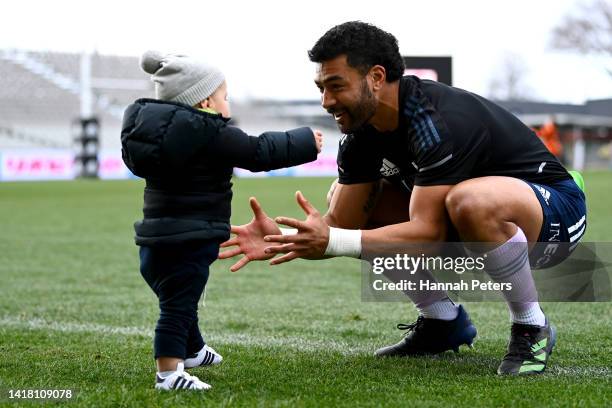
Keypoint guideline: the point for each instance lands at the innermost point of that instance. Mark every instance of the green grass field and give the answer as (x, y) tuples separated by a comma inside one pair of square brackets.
[(76, 314)]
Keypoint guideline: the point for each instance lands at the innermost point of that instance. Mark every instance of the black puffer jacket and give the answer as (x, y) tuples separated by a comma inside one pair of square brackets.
[(187, 157)]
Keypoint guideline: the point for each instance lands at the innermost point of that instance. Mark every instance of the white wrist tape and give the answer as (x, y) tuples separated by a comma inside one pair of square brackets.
[(344, 242), (288, 231)]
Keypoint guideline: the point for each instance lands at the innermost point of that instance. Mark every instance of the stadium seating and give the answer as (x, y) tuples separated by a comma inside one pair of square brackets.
[(37, 107)]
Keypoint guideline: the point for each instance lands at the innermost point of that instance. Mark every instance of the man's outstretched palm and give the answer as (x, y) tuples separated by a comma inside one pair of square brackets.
[(249, 238)]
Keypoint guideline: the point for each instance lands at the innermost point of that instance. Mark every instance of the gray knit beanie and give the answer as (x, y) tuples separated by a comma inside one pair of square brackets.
[(179, 78)]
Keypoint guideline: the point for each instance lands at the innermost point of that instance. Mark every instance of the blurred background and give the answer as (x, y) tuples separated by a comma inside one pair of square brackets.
[(69, 70)]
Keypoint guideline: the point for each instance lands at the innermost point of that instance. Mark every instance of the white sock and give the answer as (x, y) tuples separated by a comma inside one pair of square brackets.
[(509, 263), (179, 367), (442, 310), (431, 304), (529, 314)]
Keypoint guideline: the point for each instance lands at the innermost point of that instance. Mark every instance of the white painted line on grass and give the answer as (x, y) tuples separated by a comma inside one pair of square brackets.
[(297, 343), (292, 342)]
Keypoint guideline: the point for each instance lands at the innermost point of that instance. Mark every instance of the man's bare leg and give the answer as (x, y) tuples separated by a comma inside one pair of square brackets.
[(392, 206), (505, 213)]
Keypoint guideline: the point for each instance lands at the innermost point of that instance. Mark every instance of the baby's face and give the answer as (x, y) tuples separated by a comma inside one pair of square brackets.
[(219, 102)]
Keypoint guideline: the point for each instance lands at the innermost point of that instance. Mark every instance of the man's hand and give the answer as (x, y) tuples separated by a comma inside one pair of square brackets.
[(249, 238), (311, 240)]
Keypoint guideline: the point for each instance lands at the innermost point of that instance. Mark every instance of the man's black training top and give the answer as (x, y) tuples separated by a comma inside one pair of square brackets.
[(446, 135)]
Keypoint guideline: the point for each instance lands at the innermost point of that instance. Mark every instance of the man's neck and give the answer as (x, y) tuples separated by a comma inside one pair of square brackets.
[(386, 118)]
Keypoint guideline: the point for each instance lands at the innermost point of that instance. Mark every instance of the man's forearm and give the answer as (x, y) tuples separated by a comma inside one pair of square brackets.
[(350, 206), (404, 233), (392, 238)]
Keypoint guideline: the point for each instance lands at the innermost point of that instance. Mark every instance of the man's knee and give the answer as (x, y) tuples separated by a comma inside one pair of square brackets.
[(330, 193), (479, 213), (467, 207)]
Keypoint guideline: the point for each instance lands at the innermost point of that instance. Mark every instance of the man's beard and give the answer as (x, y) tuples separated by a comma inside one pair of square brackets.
[(361, 112)]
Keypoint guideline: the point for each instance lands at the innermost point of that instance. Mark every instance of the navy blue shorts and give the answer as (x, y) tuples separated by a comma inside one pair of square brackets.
[(564, 208)]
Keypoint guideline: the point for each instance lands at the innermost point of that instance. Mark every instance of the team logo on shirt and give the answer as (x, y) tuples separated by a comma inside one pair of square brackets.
[(389, 169)]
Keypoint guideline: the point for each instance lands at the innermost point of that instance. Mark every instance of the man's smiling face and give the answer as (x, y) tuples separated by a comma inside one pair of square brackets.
[(345, 93)]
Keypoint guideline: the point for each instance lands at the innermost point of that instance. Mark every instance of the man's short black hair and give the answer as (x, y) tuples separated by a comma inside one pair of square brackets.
[(364, 45)]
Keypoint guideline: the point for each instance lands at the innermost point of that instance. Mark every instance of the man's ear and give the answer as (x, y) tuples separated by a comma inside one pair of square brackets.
[(204, 104), (378, 76)]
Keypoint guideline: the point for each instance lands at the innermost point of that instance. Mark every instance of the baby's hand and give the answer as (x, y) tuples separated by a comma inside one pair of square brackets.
[(318, 139)]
